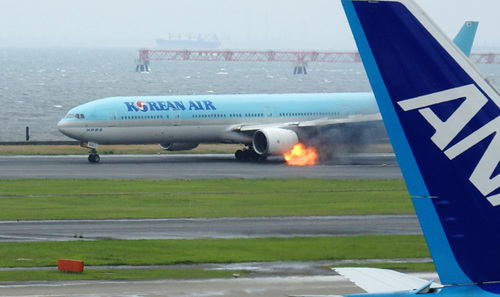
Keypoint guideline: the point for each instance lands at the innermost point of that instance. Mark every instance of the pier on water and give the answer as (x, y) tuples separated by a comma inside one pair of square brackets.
[(300, 59)]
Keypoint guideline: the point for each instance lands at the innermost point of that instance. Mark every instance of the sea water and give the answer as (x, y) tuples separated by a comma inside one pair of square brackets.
[(39, 86)]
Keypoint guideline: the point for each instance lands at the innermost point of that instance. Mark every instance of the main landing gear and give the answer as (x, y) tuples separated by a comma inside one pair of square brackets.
[(93, 156), (248, 155)]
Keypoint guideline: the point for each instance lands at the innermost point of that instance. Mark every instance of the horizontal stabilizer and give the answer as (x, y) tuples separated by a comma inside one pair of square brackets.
[(374, 280)]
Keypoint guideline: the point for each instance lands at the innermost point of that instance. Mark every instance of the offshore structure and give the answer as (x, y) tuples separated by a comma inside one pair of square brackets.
[(299, 58)]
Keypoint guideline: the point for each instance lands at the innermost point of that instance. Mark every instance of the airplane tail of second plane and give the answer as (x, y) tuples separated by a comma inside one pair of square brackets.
[(465, 37), (443, 119)]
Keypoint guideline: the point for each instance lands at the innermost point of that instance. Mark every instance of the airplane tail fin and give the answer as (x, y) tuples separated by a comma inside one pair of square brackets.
[(465, 37), (442, 117)]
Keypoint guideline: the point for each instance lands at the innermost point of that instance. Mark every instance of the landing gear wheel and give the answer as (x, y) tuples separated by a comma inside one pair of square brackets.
[(239, 155), (248, 155), (94, 158)]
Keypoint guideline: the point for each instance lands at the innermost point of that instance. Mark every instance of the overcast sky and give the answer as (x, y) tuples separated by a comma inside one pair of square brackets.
[(252, 24)]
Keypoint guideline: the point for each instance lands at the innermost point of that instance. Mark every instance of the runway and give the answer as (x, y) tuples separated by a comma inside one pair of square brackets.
[(65, 230), (271, 286), (235, 287), (186, 166)]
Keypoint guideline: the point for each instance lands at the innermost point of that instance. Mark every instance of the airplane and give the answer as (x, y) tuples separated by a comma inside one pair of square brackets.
[(269, 124), (442, 117), (465, 37)]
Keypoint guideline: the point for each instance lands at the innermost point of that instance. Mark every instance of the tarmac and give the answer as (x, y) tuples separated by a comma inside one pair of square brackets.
[(194, 228), (195, 166)]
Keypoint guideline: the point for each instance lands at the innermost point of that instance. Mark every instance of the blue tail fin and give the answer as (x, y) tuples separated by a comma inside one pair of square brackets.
[(465, 37), (442, 117)]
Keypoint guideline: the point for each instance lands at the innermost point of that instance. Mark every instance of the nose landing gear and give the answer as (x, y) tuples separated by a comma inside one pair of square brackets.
[(93, 156)]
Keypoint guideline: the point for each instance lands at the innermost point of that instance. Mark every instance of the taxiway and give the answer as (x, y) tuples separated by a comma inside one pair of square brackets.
[(64, 230), (235, 287), (188, 166)]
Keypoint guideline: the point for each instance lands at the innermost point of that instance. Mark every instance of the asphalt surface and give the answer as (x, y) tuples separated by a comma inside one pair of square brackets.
[(208, 228), (270, 286), (192, 167), (235, 287)]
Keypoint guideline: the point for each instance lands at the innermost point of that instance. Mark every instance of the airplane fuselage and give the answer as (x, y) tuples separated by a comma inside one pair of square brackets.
[(204, 119)]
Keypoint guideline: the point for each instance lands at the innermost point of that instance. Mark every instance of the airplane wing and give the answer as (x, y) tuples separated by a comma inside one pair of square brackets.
[(347, 120), (375, 280), (246, 128), (322, 122), (280, 137)]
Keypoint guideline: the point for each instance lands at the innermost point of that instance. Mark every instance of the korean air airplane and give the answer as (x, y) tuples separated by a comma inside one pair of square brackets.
[(267, 124), (443, 119)]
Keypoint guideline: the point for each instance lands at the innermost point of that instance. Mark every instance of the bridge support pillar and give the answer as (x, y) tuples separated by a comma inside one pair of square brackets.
[(300, 68), (141, 65)]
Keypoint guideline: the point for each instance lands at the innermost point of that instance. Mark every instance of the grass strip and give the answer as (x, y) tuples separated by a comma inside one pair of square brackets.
[(187, 251), (167, 252), (40, 149), (37, 199), (37, 149)]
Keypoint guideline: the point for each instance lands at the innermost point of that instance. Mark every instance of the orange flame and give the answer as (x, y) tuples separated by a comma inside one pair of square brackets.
[(301, 155)]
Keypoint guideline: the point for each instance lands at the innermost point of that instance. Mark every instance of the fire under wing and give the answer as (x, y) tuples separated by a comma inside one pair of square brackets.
[(442, 117)]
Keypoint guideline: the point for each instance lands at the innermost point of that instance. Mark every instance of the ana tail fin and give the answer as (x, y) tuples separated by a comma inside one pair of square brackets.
[(442, 117)]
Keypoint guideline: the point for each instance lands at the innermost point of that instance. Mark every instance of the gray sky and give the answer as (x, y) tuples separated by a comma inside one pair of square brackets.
[(255, 24)]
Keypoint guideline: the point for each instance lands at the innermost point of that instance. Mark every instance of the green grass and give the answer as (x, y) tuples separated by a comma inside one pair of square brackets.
[(106, 199), (186, 251), (169, 252), (30, 148), (40, 149)]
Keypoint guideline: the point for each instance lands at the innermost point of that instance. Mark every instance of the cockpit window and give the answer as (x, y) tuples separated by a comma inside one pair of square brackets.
[(75, 116)]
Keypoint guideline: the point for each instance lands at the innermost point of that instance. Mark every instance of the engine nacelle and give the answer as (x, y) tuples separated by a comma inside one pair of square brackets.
[(182, 146), (274, 141)]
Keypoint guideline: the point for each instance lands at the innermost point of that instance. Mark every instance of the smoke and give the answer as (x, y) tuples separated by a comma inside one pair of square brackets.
[(339, 144)]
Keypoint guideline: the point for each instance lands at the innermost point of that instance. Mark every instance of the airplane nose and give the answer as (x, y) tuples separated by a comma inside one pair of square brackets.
[(62, 126)]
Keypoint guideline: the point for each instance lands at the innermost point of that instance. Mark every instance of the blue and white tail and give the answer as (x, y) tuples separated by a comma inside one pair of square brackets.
[(465, 37), (442, 117)]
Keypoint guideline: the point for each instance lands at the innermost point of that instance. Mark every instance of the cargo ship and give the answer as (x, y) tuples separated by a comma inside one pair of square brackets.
[(179, 43)]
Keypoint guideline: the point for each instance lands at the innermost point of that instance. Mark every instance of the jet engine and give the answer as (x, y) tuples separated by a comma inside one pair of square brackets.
[(182, 146), (274, 141)]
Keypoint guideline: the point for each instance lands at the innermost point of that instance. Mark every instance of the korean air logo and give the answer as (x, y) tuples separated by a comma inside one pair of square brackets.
[(142, 106), (483, 177)]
